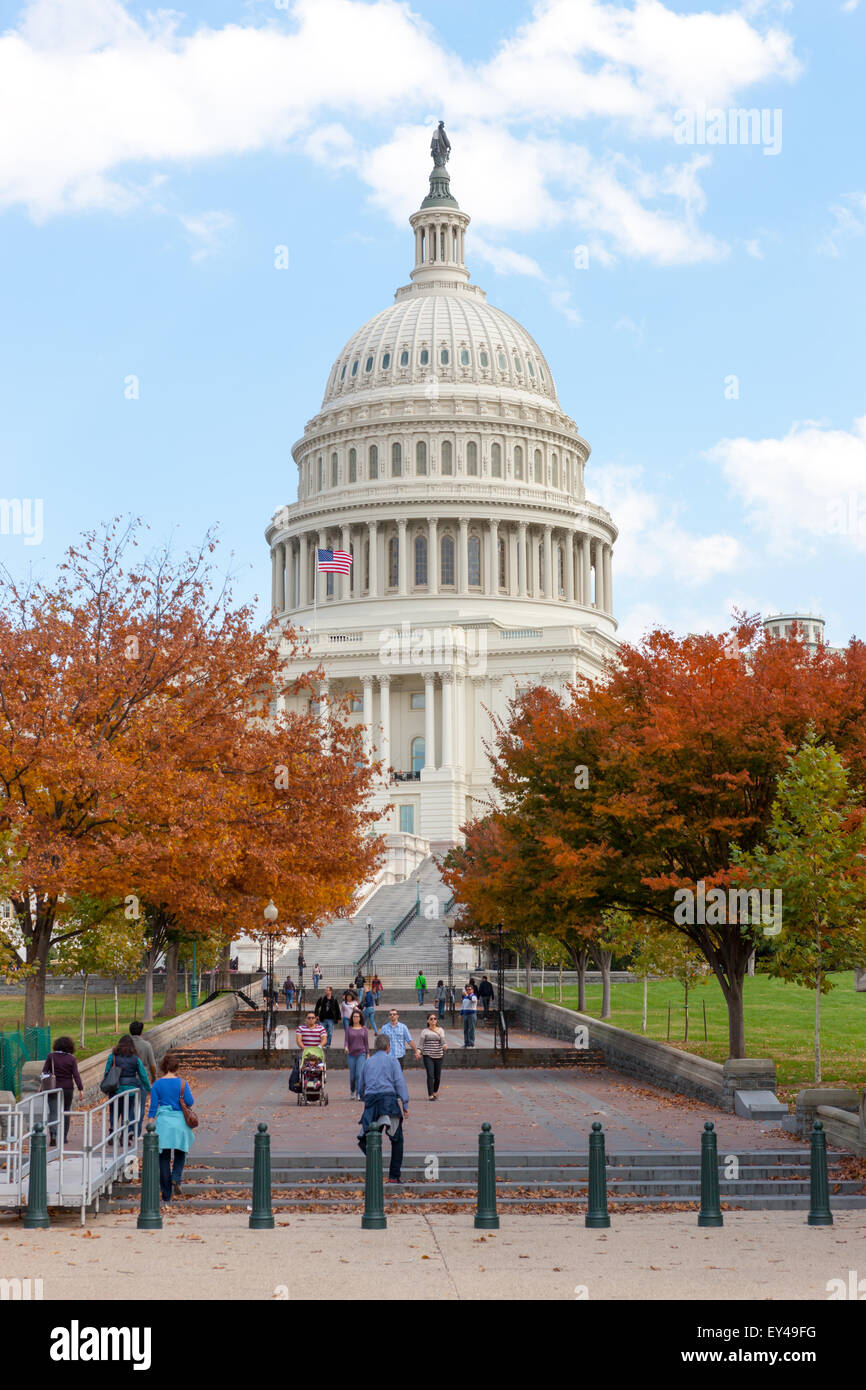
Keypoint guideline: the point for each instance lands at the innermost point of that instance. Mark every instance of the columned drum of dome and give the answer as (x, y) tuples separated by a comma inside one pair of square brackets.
[(443, 462)]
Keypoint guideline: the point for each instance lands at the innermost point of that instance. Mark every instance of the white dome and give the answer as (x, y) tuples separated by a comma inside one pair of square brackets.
[(454, 337)]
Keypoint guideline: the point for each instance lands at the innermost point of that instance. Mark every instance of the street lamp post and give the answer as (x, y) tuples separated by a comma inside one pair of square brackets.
[(451, 972), (369, 941), (270, 915)]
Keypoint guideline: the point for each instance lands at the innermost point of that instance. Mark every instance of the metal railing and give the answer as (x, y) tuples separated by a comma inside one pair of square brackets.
[(366, 959), (403, 923), (76, 1175)]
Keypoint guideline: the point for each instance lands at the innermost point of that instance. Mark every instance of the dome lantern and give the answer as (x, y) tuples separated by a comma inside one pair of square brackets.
[(440, 226)]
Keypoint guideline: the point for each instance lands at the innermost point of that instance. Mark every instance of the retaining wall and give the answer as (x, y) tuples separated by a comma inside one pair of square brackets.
[(645, 1059)]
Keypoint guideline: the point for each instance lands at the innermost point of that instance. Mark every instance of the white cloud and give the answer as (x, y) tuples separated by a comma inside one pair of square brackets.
[(653, 541), (809, 484), (206, 232), (90, 90), (503, 260), (849, 220), (753, 249)]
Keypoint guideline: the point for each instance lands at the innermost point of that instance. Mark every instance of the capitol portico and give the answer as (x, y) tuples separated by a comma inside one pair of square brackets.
[(442, 461)]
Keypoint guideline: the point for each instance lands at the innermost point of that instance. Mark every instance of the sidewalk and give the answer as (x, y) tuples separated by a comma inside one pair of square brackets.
[(758, 1255)]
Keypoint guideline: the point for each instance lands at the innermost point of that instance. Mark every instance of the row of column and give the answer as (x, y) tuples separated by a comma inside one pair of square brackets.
[(451, 694), (586, 558)]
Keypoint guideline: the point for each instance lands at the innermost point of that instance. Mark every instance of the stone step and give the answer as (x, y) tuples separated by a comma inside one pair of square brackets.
[(775, 1160), (253, 1058), (626, 1186)]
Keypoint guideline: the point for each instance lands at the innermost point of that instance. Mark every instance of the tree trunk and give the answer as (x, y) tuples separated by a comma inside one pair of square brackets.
[(83, 1011), (169, 1003), (38, 945), (149, 959), (603, 960), (224, 979), (736, 1018), (751, 966), (560, 983), (818, 1028), (581, 981), (643, 1020), (517, 971), (542, 977), (686, 987), (529, 974)]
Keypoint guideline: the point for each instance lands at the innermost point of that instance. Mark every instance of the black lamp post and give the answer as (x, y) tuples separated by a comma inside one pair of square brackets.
[(270, 915), (369, 942), (500, 973), (451, 972)]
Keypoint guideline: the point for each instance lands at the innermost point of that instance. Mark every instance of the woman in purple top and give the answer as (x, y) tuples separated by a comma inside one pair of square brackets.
[(61, 1061), (357, 1051)]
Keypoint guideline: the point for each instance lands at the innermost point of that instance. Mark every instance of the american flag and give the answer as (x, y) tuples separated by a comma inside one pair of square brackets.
[(333, 561)]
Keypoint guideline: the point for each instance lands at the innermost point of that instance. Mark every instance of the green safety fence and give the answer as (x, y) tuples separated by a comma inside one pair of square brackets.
[(18, 1047)]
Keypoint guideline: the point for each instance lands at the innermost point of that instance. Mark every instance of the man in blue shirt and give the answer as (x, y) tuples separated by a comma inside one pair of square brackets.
[(383, 1087), (399, 1037)]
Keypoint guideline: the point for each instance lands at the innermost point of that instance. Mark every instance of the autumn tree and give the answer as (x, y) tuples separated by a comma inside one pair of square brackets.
[(146, 754), (815, 856), (640, 785)]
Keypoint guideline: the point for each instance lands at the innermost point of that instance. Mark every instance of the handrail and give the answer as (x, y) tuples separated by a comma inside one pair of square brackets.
[(367, 958), (404, 922)]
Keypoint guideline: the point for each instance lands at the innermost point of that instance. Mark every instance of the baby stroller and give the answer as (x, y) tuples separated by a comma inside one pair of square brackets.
[(312, 1081)]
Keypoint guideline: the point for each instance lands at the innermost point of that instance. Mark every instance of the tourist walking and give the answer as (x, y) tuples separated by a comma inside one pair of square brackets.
[(289, 988), (328, 1012), (348, 1003), (368, 1004), (143, 1048), (383, 1088), (440, 997), (420, 986), (173, 1134), (317, 975), (433, 1048), (357, 1051), (485, 995), (311, 1033), (132, 1077), (399, 1038), (376, 987), (61, 1063), (469, 1012), (360, 979)]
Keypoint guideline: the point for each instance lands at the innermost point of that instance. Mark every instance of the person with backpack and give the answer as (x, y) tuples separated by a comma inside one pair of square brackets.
[(328, 1012), (420, 985), (485, 994), (440, 997), (60, 1064), (368, 1004), (173, 1131), (128, 1076)]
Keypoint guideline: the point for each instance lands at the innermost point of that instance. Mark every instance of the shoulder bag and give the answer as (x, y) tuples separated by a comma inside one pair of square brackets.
[(188, 1113)]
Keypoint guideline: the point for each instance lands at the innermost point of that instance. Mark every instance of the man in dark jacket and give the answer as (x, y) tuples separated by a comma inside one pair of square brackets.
[(328, 1012), (485, 994)]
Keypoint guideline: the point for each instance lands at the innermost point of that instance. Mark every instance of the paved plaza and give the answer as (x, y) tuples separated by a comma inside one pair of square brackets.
[(756, 1255)]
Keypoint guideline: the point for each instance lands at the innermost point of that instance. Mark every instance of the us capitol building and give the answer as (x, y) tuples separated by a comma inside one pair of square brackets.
[(443, 462)]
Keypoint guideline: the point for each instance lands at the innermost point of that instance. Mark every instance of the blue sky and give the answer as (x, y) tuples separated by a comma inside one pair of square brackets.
[(159, 157)]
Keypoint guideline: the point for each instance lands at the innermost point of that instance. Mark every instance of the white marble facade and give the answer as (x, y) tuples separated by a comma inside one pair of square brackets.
[(443, 461)]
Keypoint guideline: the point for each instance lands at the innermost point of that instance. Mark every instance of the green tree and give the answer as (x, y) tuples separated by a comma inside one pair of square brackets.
[(815, 854)]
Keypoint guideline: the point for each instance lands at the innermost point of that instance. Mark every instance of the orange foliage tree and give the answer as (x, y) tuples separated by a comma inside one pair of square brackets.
[(146, 758), (639, 786)]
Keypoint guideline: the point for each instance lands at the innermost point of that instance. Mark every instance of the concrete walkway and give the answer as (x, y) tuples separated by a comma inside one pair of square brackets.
[(539, 1111), (756, 1255)]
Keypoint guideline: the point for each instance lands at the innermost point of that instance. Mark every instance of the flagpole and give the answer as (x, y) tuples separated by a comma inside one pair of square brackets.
[(316, 599)]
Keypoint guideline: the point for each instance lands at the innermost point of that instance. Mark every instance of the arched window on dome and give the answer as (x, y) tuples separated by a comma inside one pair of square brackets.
[(343, 372), (319, 473), (483, 359), (396, 460), (554, 468), (393, 563), (518, 462), (539, 467), (503, 577), (421, 459), (530, 365), (473, 561), (518, 365), (386, 361), (404, 358), (373, 462), (419, 759), (424, 357), (447, 457), (444, 356), (560, 571), (335, 470), (502, 360), (355, 367), (353, 465), (446, 565), (472, 459), (496, 460), (368, 365), (420, 561), (464, 357)]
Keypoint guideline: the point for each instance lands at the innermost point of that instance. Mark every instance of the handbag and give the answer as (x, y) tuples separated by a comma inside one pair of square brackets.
[(49, 1080), (188, 1113), (111, 1080)]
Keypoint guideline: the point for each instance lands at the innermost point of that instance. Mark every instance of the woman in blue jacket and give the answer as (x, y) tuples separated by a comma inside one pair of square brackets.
[(174, 1136), (133, 1077)]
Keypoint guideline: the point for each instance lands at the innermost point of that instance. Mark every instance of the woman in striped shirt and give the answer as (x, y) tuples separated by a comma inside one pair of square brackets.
[(433, 1048)]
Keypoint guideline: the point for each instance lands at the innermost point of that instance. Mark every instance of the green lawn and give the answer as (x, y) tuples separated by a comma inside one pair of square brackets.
[(779, 1023), (63, 1015)]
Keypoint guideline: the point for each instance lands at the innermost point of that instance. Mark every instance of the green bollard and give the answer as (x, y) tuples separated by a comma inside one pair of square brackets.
[(262, 1217), (485, 1212), (36, 1213), (596, 1211), (711, 1212), (149, 1217), (374, 1197), (819, 1191)]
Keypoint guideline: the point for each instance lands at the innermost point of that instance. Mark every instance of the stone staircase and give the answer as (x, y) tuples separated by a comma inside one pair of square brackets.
[(769, 1180)]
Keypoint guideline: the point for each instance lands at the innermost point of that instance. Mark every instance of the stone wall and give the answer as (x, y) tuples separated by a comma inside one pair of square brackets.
[(645, 1059)]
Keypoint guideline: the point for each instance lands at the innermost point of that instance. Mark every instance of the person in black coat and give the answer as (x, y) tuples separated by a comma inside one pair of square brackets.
[(328, 1012), (485, 994)]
